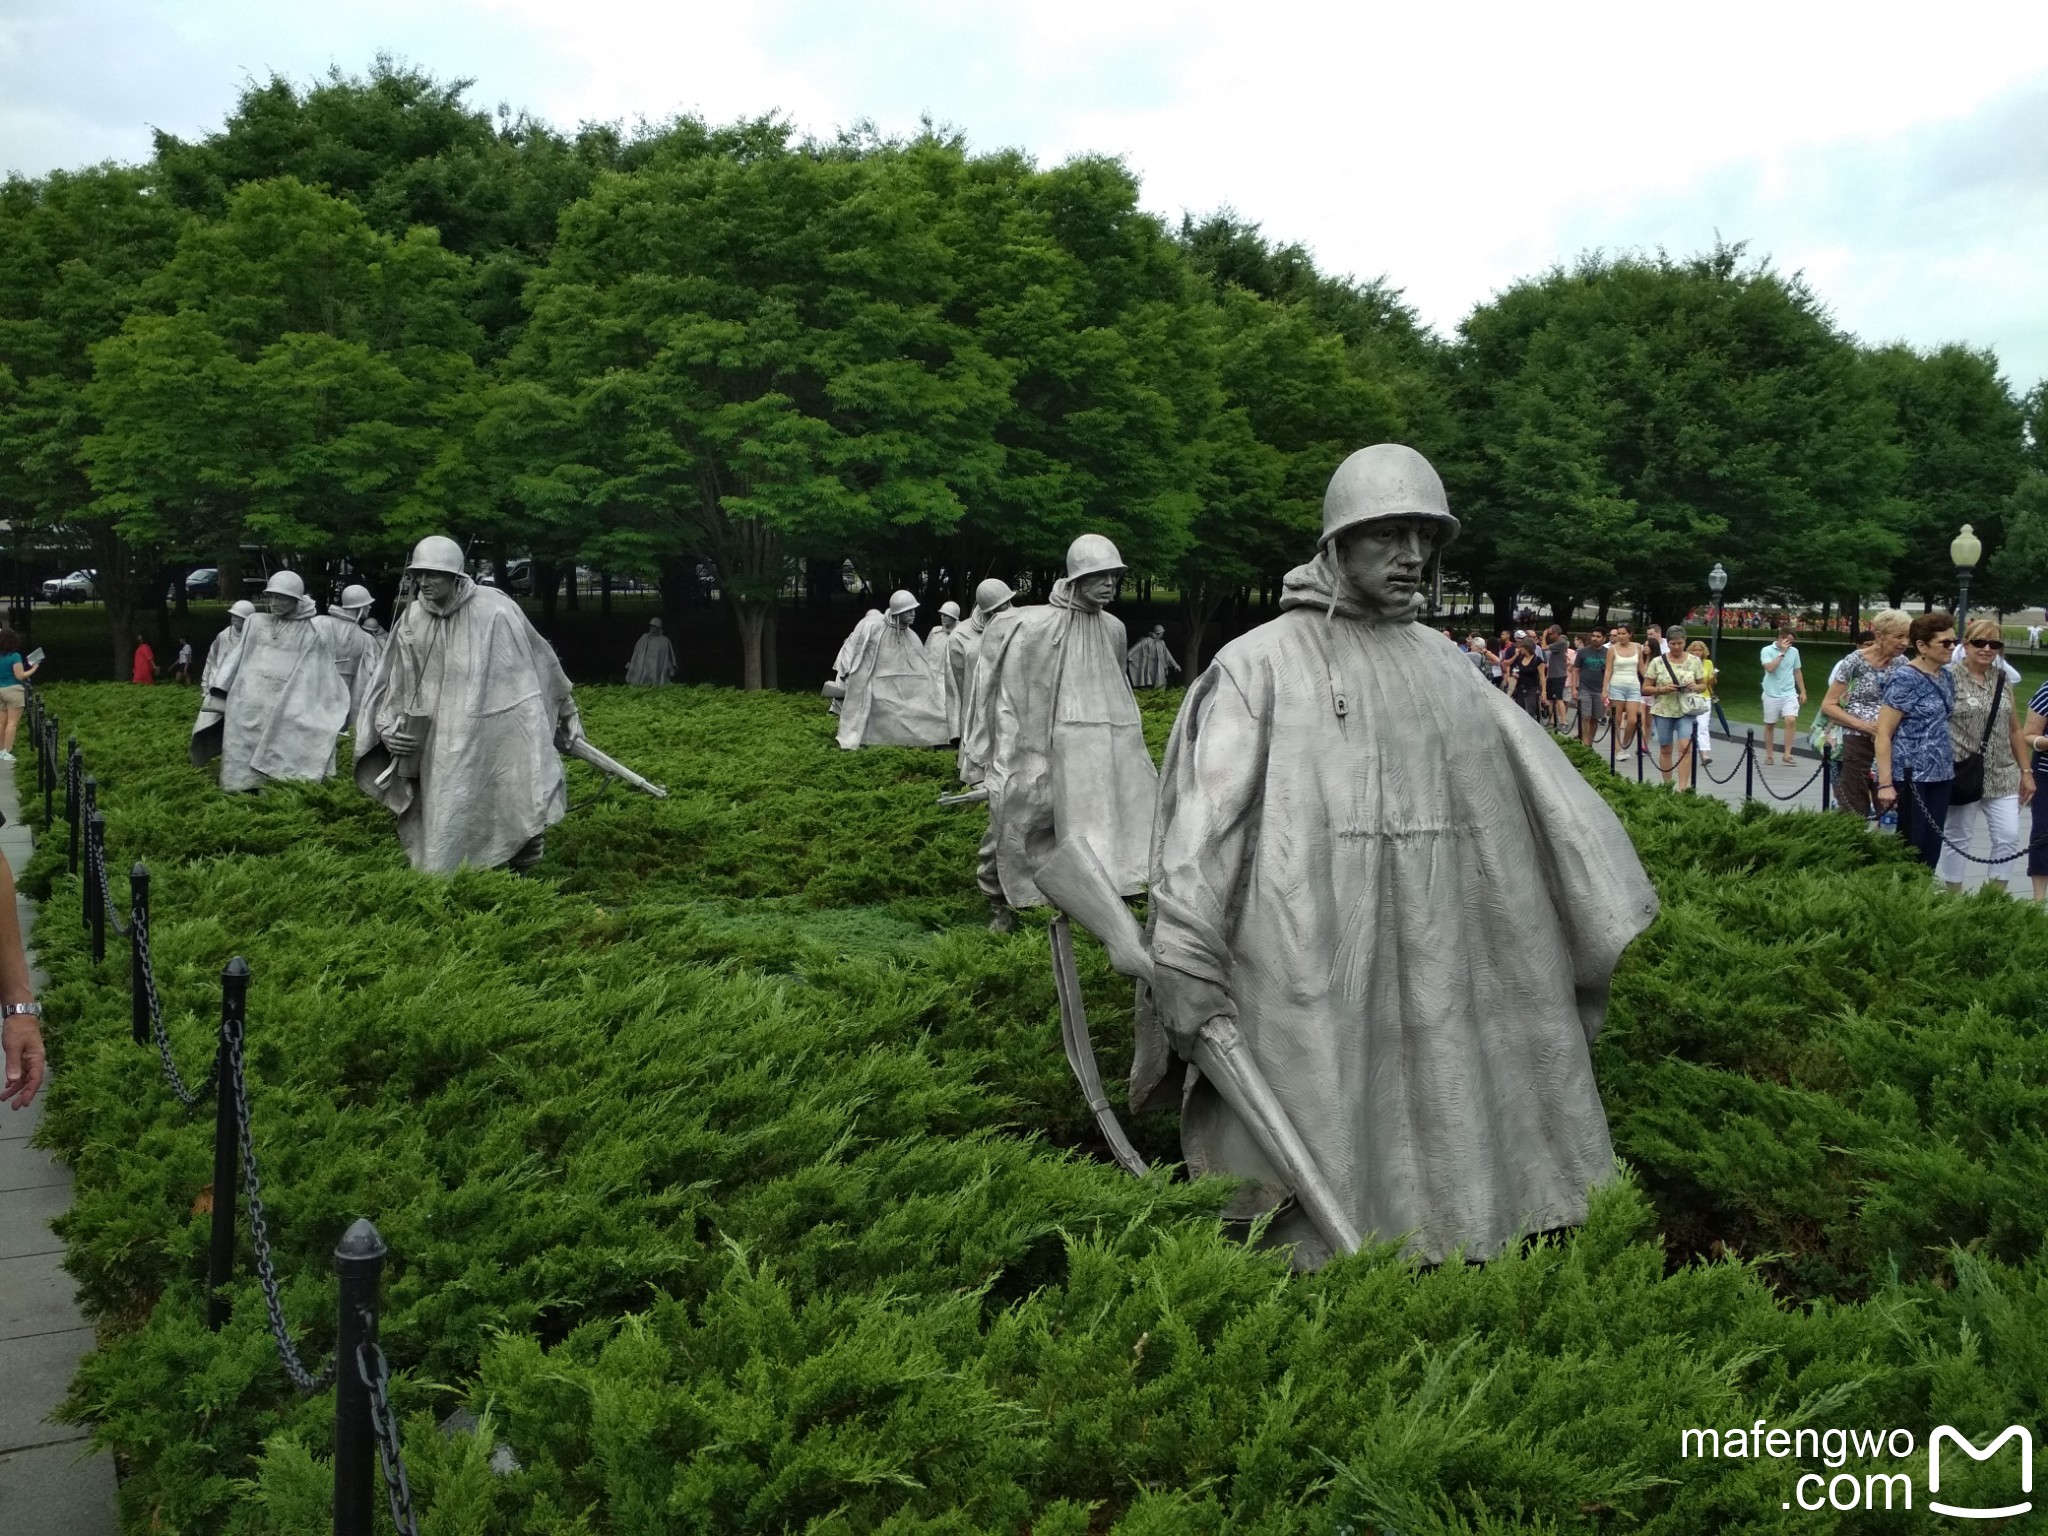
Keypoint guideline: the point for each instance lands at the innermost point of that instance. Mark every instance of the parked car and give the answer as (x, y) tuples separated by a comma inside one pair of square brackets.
[(78, 587), (204, 582)]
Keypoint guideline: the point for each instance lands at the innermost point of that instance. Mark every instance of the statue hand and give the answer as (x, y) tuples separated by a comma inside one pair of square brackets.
[(1185, 1003), (400, 742)]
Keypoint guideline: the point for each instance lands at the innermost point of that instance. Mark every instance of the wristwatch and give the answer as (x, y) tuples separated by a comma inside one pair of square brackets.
[(9, 1010)]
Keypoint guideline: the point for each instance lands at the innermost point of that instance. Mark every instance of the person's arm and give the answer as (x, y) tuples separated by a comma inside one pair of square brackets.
[(22, 1033), (1772, 664), (1831, 708), (1799, 682), (1607, 675), (1887, 722), (22, 674)]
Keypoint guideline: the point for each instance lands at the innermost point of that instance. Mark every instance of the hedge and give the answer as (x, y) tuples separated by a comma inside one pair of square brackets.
[(734, 1180)]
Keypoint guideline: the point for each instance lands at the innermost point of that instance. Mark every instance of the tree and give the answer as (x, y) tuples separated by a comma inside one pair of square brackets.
[(75, 250), (1627, 423), (759, 360), (294, 377), (1961, 436)]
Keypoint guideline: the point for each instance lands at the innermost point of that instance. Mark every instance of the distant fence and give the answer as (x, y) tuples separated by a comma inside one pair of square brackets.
[(365, 1428)]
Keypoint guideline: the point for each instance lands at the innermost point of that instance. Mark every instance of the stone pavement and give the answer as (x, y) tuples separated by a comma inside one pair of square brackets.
[(49, 1484), (1797, 788)]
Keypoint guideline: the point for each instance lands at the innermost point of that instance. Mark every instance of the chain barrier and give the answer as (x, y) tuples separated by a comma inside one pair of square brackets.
[(390, 1451), (1733, 768), (96, 872), (1802, 789), (189, 1097), (259, 1232), (1954, 847)]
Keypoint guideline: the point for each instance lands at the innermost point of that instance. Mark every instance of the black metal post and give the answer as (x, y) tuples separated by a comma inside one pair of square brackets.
[(96, 893), (138, 935), (1827, 766), (1962, 597), (1613, 734), (48, 747), (1748, 766), (359, 1260), (1640, 754), (1714, 650), (220, 1256)]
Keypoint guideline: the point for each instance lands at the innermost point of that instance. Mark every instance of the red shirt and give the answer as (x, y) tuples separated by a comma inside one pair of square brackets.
[(145, 665)]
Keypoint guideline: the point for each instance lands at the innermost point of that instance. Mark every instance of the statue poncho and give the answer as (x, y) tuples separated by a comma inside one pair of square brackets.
[(1056, 734), (893, 696), (1416, 903), (208, 729), (495, 701), (286, 702), (1149, 663), (963, 676), (355, 651), (653, 664)]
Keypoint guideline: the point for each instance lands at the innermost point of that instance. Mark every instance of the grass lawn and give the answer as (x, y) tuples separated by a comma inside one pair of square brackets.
[(734, 1179)]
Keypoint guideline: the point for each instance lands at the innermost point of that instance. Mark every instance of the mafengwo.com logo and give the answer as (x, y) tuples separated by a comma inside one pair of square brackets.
[(1886, 1464)]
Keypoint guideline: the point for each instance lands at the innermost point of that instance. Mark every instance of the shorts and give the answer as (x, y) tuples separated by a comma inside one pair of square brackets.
[(1590, 707), (1554, 688), (1671, 729), (14, 697), (1625, 693), (1781, 706)]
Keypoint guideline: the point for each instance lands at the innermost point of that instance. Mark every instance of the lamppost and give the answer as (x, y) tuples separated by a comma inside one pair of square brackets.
[(1717, 583), (1966, 549)]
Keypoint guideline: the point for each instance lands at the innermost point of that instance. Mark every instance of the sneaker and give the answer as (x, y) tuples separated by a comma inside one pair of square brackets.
[(6, 757)]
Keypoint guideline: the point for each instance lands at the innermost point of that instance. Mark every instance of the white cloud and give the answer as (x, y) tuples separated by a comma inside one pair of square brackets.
[(1895, 157)]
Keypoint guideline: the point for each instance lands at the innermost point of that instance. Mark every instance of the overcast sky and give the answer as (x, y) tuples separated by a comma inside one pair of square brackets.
[(1897, 154)]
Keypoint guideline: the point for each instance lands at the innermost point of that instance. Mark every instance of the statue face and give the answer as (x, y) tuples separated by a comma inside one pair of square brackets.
[(284, 607), (1383, 562), (1099, 587), (436, 586)]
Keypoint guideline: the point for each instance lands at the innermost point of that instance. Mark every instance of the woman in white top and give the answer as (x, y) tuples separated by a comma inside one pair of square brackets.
[(1622, 688)]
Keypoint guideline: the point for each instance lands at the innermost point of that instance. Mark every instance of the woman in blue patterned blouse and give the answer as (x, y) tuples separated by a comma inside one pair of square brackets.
[(1913, 737)]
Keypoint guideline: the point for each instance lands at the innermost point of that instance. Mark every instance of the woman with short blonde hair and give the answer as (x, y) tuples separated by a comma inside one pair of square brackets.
[(1851, 704), (1986, 719)]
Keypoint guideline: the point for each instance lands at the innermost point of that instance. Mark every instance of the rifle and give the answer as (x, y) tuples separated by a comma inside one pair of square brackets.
[(581, 748), (968, 797), (1076, 883)]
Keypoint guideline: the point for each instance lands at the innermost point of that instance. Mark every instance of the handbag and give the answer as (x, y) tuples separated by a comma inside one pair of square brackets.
[(1967, 788), (1690, 705)]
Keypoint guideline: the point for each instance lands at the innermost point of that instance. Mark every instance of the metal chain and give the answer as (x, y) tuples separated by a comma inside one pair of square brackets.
[(390, 1453), (1956, 848), (189, 1097), (96, 871), (1802, 789), (1733, 768), (259, 1233)]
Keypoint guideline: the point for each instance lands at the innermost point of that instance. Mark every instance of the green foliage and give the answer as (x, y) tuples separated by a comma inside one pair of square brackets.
[(735, 1182)]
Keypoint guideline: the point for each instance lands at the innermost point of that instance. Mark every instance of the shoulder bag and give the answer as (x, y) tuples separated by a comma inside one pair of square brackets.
[(1690, 705), (1968, 785)]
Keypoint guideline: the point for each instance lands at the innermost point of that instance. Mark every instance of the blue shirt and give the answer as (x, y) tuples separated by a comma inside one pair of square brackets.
[(1783, 683), (1921, 746), (7, 677)]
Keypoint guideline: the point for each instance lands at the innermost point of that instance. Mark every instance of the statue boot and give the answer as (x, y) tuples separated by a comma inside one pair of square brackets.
[(1002, 917)]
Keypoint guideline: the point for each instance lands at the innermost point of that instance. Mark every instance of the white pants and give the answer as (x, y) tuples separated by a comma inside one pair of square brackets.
[(2003, 814), (1703, 734)]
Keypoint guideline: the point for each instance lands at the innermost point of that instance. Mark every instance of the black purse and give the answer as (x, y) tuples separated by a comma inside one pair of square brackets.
[(1967, 788)]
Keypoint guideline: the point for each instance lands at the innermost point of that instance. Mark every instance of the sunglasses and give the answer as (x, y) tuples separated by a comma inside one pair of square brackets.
[(1986, 645)]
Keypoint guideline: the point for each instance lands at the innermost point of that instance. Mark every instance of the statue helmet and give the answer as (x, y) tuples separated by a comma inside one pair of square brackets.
[(950, 609), (438, 552), (285, 584), (654, 626), (243, 610), (1090, 554), (992, 594), (355, 596), (1387, 480), (901, 603)]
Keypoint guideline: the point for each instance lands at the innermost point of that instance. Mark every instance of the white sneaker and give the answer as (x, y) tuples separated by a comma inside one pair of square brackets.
[(6, 757)]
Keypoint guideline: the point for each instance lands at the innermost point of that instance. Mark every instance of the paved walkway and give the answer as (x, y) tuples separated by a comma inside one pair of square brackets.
[(1797, 788), (49, 1486)]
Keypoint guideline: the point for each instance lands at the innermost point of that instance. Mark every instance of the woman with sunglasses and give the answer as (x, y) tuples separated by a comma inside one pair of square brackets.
[(1913, 736), (1982, 681)]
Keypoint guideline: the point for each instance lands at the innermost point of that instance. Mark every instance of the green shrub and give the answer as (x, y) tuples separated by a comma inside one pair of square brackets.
[(734, 1178)]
